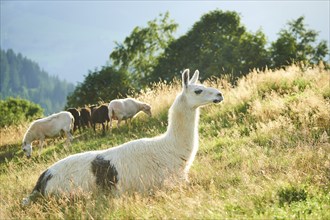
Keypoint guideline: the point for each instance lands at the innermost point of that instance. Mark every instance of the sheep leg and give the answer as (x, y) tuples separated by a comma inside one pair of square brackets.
[(110, 124), (41, 145), (107, 122), (129, 121), (103, 128), (69, 137), (79, 126), (118, 123)]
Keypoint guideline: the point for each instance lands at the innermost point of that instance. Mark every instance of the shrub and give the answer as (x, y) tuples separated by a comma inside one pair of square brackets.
[(14, 111)]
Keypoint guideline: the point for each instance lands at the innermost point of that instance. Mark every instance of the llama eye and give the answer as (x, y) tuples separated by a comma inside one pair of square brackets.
[(199, 91)]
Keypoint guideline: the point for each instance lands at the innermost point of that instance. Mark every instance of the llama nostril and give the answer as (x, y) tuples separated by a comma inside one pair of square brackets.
[(219, 94)]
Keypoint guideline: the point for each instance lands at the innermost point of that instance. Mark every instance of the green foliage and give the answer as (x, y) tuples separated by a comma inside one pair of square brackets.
[(139, 51), (101, 86), (216, 44), (21, 77), (16, 111), (297, 44)]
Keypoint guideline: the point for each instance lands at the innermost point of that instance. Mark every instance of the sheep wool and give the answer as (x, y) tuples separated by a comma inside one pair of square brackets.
[(47, 127)]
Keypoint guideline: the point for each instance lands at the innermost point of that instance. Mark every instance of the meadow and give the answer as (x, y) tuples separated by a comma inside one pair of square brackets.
[(264, 154)]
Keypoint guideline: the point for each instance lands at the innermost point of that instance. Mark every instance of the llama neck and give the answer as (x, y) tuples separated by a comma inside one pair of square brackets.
[(183, 125)]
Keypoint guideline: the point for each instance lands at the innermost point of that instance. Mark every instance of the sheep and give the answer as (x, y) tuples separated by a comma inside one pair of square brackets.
[(100, 115), (76, 114), (126, 109), (47, 127), (137, 166), (85, 117)]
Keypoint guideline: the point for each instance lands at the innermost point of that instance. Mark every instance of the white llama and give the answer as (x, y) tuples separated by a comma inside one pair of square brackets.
[(140, 165)]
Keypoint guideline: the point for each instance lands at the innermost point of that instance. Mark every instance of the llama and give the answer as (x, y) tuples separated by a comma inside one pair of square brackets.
[(126, 109), (47, 127), (140, 165)]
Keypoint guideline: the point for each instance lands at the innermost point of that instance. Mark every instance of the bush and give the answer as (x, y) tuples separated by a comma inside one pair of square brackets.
[(14, 111)]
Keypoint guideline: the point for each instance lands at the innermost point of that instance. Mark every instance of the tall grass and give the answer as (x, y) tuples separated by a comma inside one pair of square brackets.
[(264, 153)]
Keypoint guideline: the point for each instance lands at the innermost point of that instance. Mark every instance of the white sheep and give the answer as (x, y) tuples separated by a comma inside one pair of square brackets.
[(140, 165), (126, 109), (47, 127)]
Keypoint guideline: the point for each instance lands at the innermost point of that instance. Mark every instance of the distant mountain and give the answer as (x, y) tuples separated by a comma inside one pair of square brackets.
[(21, 77)]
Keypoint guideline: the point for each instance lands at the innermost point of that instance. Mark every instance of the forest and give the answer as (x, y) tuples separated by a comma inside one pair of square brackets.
[(23, 78)]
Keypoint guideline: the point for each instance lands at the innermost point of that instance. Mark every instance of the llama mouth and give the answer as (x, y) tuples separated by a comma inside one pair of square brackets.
[(217, 100)]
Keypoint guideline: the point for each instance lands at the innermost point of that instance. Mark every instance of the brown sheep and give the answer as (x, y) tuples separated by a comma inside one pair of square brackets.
[(76, 114), (85, 117), (100, 115)]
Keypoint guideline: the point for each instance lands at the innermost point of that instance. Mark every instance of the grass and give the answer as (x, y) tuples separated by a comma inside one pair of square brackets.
[(264, 153)]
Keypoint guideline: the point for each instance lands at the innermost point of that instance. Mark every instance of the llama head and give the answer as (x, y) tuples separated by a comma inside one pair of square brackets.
[(27, 148), (196, 94)]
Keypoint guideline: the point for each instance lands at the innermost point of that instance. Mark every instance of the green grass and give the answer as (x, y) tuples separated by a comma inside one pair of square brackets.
[(264, 154)]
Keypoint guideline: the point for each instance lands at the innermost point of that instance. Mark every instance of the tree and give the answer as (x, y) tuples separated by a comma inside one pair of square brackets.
[(297, 44), (139, 51), (216, 44), (4, 75), (252, 52), (14, 63), (104, 85)]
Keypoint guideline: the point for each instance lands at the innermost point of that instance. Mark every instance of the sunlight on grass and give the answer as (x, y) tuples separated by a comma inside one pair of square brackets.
[(264, 153)]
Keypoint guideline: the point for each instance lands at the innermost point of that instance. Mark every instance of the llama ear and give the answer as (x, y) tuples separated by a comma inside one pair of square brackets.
[(185, 78), (194, 78)]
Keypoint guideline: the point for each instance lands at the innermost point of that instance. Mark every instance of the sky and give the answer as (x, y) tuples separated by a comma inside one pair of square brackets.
[(71, 38)]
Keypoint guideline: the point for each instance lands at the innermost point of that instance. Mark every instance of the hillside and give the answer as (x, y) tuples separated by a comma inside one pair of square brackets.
[(21, 77), (264, 153)]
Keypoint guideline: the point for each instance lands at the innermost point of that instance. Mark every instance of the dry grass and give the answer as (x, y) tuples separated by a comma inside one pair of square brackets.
[(10, 135), (264, 153)]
